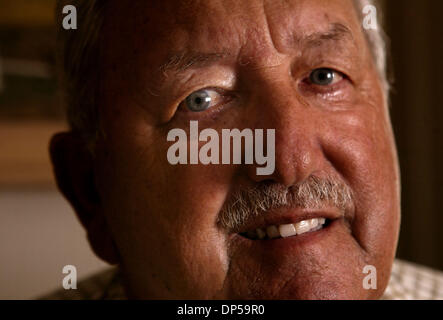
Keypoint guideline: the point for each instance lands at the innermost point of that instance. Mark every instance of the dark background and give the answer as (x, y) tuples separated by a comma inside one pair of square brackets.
[(415, 28)]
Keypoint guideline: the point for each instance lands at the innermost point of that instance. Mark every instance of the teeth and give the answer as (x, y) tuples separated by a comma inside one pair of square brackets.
[(261, 234), (303, 226), (317, 228), (272, 232), (314, 223), (287, 230)]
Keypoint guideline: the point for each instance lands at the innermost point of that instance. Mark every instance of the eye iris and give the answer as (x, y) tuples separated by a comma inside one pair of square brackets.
[(322, 76), (198, 101)]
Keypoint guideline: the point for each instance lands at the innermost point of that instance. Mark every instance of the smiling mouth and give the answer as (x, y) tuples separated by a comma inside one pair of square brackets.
[(286, 230)]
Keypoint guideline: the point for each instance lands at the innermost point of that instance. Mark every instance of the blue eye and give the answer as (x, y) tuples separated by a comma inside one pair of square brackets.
[(199, 100), (324, 77)]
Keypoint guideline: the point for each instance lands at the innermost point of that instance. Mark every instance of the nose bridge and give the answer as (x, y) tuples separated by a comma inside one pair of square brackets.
[(297, 151)]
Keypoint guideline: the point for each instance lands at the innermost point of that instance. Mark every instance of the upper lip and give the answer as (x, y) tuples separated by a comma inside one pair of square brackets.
[(288, 216)]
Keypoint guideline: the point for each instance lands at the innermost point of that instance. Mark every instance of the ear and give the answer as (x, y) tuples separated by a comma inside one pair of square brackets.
[(74, 173)]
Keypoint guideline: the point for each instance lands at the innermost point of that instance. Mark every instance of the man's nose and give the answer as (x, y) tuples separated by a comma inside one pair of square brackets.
[(297, 125)]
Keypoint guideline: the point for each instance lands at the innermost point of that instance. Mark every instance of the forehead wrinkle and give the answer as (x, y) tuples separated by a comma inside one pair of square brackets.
[(180, 62), (188, 57), (337, 35)]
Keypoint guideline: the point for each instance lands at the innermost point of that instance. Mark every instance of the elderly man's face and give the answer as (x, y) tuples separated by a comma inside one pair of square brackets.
[(261, 62)]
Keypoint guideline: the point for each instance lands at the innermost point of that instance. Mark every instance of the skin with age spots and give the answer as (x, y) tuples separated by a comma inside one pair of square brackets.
[(159, 221)]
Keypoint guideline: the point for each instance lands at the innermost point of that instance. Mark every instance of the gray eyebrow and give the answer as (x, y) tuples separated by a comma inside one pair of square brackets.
[(336, 32), (180, 62)]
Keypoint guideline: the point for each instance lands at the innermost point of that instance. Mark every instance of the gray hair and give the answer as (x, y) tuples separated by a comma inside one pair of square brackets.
[(78, 57), (314, 192), (377, 41)]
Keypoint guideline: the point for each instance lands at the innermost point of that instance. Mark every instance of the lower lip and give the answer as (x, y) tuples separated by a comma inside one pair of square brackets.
[(295, 242)]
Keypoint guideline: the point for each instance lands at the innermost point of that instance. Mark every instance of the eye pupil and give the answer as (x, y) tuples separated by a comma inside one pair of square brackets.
[(322, 77), (198, 101)]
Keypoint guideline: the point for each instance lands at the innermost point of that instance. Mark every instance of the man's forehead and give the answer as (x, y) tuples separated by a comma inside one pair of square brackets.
[(217, 25), (172, 36)]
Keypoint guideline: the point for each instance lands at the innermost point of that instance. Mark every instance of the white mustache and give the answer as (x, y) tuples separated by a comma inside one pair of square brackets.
[(314, 192)]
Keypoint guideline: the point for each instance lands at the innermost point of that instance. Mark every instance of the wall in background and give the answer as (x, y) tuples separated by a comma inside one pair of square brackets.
[(39, 232), (416, 32)]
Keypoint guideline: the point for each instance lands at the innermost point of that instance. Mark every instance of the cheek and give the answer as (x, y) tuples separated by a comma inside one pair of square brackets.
[(171, 211), (360, 147)]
